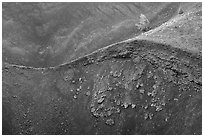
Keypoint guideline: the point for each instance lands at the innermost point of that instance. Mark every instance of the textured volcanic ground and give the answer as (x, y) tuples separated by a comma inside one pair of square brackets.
[(102, 68)]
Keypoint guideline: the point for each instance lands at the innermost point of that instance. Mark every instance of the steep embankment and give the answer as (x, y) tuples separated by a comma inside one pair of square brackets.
[(156, 87)]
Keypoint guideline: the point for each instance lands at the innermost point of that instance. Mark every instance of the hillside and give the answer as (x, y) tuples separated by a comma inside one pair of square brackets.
[(150, 83)]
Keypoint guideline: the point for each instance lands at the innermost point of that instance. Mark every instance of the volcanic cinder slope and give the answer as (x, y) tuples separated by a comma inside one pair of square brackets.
[(49, 34), (149, 84)]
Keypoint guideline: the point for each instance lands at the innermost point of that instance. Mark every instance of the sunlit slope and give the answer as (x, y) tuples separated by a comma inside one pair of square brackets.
[(183, 31)]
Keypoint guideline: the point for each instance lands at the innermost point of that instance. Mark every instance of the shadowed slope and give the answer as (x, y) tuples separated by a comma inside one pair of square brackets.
[(156, 87)]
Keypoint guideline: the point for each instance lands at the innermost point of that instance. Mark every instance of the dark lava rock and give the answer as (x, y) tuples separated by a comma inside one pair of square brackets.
[(136, 87)]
